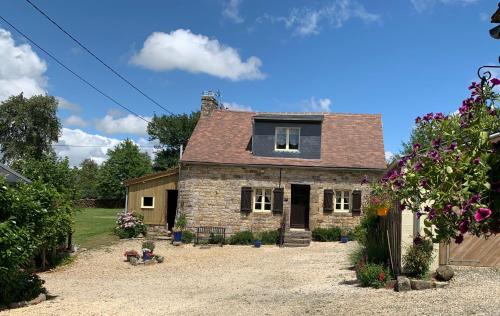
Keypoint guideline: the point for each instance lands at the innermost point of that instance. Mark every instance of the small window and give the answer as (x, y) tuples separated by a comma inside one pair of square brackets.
[(342, 201), (148, 202), (287, 138), (262, 199)]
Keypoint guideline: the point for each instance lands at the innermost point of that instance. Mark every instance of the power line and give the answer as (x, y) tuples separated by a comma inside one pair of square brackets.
[(74, 73), (96, 57), (97, 146)]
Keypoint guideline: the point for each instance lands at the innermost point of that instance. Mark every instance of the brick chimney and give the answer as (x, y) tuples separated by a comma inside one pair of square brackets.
[(209, 103)]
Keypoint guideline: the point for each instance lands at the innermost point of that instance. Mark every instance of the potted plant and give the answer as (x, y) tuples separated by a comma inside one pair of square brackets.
[(129, 254), (344, 233), (180, 225), (380, 204), (257, 242)]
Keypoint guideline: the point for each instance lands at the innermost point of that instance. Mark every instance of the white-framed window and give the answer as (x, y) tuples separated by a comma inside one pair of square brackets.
[(262, 199), (287, 139), (147, 202), (342, 200)]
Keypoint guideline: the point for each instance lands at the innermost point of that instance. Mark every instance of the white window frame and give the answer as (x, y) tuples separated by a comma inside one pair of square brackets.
[(254, 196), (142, 202), (287, 139), (342, 208)]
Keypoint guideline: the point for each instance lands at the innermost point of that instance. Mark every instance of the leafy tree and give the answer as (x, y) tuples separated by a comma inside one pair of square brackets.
[(87, 179), (28, 126), (125, 161), (53, 171), (171, 131)]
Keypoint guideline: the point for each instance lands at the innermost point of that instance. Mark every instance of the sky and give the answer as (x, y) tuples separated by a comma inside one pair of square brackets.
[(397, 58)]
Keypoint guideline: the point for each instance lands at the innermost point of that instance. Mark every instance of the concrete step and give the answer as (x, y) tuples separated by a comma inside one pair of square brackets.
[(298, 234), (297, 240), (290, 245)]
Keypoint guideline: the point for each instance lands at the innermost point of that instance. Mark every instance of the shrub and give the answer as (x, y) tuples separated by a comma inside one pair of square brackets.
[(149, 244), (241, 238), (357, 256), (216, 239), (371, 274), (418, 257), (326, 234), (187, 237), (270, 237), (180, 223), (129, 225), (23, 286)]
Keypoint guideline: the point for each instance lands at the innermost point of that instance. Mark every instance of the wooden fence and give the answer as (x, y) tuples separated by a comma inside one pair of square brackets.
[(473, 251), (391, 227)]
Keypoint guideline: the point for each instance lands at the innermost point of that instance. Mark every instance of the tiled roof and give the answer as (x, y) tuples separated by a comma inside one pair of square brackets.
[(347, 141)]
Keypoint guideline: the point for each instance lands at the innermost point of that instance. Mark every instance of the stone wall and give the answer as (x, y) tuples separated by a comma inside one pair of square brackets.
[(210, 195)]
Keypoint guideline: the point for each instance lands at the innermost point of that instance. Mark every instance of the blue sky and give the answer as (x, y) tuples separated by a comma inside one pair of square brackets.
[(398, 58)]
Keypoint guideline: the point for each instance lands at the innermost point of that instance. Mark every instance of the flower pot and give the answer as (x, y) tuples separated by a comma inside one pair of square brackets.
[(257, 243), (178, 236), (344, 239), (146, 255), (382, 211)]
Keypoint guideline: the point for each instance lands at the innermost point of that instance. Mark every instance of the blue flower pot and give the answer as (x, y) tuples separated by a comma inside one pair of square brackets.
[(257, 243), (145, 255), (344, 239), (178, 236)]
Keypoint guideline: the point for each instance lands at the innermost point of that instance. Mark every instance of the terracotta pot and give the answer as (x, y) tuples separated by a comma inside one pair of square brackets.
[(383, 211)]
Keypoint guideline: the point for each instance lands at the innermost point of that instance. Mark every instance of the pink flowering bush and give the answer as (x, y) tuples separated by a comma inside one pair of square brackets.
[(444, 172), (129, 225)]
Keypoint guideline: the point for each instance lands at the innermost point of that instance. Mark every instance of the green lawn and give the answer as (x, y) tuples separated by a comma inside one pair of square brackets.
[(94, 227)]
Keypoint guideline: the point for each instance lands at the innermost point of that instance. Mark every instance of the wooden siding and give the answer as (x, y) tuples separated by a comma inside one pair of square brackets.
[(473, 251), (156, 188)]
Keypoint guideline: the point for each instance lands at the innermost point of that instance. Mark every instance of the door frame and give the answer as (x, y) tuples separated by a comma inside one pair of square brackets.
[(307, 188)]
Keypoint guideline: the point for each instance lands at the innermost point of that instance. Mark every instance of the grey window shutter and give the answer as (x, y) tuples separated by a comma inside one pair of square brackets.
[(246, 199), (278, 200), (356, 202), (328, 201)]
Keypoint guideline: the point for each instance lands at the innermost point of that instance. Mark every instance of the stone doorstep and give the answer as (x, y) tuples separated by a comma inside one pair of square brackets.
[(405, 284)]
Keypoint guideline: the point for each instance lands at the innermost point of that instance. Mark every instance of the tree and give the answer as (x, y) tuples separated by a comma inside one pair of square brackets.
[(125, 162), (28, 126), (87, 179), (53, 171), (171, 131)]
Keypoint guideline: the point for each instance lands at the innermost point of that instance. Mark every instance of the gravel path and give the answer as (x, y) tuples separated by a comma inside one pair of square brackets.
[(239, 280)]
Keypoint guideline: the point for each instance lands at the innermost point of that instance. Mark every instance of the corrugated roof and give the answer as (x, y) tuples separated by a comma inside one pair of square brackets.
[(348, 141), (152, 176)]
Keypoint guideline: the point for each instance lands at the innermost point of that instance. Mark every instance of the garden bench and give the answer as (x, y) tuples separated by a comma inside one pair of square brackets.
[(210, 234)]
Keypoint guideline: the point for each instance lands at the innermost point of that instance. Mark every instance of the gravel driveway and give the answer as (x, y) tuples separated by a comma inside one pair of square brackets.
[(241, 280)]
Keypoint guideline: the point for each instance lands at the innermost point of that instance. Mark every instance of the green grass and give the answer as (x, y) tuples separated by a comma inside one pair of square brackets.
[(94, 227)]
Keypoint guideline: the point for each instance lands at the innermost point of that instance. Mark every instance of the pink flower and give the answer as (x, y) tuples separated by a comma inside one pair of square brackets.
[(495, 81), (459, 239), (463, 227), (482, 214)]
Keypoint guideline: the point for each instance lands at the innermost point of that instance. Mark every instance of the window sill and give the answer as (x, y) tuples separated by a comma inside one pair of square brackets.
[(261, 212), (147, 207), (295, 151)]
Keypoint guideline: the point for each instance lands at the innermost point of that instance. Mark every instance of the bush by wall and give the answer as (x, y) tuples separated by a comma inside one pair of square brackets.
[(187, 237), (326, 234), (418, 257), (270, 237), (241, 238)]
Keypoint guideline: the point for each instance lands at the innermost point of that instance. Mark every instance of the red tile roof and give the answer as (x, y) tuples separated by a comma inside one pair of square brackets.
[(347, 141)]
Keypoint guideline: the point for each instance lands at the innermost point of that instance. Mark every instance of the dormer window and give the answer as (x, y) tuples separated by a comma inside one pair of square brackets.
[(287, 139)]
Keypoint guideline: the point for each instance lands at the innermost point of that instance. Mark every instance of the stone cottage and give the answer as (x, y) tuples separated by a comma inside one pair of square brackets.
[(262, 171)]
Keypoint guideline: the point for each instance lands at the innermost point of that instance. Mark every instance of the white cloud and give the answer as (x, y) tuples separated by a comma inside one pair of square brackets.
[(67, 105), (75, 120), (389, 156), (307, 20), (78, 145), (233, 106), (86, 146), (195, 53), (130, 124), (21, 70), (425, 5), (232, 11), (317, 105)]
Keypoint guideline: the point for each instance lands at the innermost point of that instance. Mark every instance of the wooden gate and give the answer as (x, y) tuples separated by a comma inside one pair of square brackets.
[(390, 227), (473, 251)]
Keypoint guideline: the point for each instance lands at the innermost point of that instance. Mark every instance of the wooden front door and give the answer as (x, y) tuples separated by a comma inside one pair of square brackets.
[(299, 216), (171, 208)]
